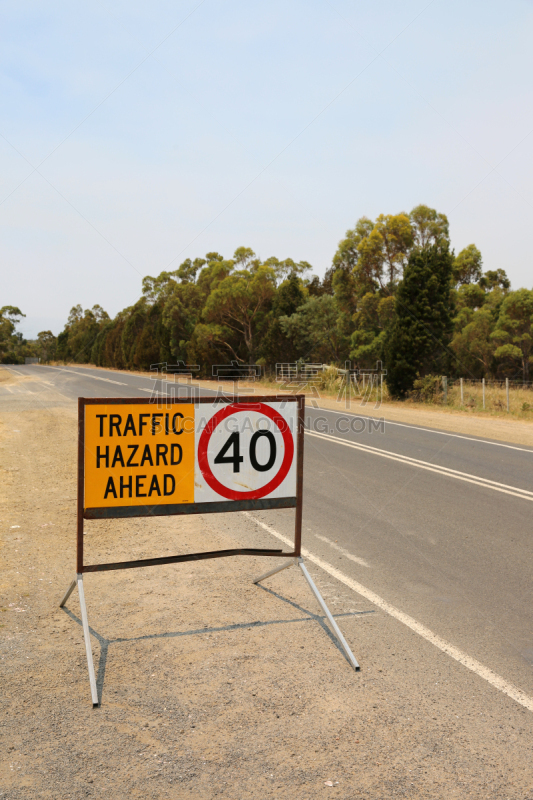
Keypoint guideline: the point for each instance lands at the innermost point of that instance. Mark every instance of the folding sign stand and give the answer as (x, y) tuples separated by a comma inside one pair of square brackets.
[(299, 562), (86, 633), (102, 475)]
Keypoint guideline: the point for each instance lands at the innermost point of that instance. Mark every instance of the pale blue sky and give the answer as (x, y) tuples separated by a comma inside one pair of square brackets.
[(165, 130)]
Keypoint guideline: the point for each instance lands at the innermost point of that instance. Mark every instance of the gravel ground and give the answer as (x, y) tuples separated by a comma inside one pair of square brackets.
[(209, 685)]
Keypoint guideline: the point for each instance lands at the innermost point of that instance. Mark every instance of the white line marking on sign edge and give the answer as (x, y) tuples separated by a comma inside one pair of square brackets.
[(467, 661)]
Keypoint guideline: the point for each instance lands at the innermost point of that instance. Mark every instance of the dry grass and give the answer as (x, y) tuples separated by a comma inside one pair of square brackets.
[(520, 399)]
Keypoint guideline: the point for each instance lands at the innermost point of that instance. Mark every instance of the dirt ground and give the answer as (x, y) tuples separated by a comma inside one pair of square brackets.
[(211, 686)]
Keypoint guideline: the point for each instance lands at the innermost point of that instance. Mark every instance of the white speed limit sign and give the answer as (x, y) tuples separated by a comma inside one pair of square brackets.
[(246, 452)]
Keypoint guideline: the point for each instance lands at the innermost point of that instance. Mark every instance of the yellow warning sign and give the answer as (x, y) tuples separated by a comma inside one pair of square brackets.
[(138, 456)]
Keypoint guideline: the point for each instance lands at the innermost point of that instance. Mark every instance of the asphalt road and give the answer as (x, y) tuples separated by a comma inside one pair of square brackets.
[(437, 524)]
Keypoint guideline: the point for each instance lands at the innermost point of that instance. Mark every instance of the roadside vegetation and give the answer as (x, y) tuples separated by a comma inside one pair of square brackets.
[(395, 293), (428, 392)]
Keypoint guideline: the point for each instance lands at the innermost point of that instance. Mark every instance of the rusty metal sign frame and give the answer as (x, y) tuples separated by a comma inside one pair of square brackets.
[(121, 512), (188, 508)]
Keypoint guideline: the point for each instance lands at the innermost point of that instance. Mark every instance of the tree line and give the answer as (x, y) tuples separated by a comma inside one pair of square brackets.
[(395, 292)]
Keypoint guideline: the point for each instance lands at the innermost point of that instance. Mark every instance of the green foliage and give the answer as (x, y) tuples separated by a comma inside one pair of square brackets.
[(427, 389), (76, 342), (347, 255), (316, 287), (384, 252), (239, 303), (282, 269), (13, 347), (416, 342), (375, 313), (315, 328), (276, 347), (467, 266), (387, 297), (112, 353), (514, 330), (244, 257), (46, 346), (209, 344), (470, 295), (376, 252), (62, 352), (144, 338), (181, 312), (472, 342), (10, 317), (495, 278), (429, 227)]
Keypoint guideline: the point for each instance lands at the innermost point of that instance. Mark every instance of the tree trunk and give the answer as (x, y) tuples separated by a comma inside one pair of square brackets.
[(248, 340)]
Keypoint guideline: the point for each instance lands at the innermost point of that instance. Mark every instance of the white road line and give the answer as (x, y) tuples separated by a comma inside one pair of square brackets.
[(425, 430), (124, 373), (467, 661), (56, 391), (84, 375), (335, 546), (525, 494), (159, 393)]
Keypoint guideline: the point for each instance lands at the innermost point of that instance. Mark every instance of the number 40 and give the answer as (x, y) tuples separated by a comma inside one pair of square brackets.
[(236, 459)]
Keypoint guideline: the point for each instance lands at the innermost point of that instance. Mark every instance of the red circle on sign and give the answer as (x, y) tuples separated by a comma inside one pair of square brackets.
[(211, 426)]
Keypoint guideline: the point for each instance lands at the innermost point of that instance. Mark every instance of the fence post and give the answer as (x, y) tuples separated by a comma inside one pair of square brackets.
[(445, 389), (507, 390), (462, 393), (483, 394)]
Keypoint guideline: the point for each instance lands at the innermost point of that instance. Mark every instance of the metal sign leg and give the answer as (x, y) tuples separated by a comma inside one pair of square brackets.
[(68, 593), (86, 633), (286, 565), (300, 563), (340, 637)]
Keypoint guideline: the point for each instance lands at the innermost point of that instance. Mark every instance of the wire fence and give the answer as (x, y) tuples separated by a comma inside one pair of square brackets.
[(486, 394), (491, 382), (470, 394)]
